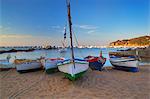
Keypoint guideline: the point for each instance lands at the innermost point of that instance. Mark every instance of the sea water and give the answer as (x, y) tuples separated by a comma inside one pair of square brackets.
[(54, 53)]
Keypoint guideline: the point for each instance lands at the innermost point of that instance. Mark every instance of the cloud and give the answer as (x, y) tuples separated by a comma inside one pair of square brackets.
[(56, 27), (86, 27), (2, 28), (7, 36), (91, 31)]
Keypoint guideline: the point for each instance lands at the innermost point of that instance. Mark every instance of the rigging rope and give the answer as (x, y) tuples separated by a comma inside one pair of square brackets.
[(77, 43)]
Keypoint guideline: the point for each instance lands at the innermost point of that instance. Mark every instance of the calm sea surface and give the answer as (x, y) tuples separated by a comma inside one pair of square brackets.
[(79, 53)]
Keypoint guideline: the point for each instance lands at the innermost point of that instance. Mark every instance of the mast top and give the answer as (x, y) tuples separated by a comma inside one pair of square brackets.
[(68, 2)]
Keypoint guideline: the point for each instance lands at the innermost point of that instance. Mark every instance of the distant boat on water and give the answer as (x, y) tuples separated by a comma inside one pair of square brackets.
[(63, 49)]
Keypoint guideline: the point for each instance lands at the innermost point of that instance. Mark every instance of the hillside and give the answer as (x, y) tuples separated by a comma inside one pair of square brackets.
[(139, 41)]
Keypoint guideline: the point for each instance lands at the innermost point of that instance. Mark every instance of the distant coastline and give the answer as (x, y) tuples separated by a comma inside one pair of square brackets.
[(139, 42), (25, 49), (143, 41)]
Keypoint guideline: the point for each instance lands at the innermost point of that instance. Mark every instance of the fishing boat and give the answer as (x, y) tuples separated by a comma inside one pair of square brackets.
[(6, 64), (96, 63), (26, 65), (50, 64), (126, 63), (72, 68)]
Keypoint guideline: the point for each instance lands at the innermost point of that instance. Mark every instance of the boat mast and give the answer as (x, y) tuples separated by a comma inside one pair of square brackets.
[(70, 29)]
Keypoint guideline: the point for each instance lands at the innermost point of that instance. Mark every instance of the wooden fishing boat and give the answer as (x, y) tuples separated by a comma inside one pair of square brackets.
[(50, 64), (6, 64), (72, 68), (129, 63), (26, 65), (96, 63)]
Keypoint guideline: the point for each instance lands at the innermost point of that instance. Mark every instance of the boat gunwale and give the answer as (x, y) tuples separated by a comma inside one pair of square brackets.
[(71, 63), (121, 61)]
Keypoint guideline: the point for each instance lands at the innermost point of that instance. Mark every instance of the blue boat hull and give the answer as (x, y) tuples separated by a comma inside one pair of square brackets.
[(124, 68), (96, 65)]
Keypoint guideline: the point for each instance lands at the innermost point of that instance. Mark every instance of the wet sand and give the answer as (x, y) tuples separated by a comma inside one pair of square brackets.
[(108, 84)]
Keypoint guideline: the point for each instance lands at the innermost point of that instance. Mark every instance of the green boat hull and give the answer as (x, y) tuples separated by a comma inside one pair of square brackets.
[(51, 70), (74, 77)]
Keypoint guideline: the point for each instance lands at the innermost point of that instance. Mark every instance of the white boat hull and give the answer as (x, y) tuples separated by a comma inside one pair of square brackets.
[(49, 65), (125, 64), (70, 69), (4, 62), (28, 66), (5, 65)]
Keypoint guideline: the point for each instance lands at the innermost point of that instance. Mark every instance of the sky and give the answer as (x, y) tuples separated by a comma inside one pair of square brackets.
[(95, 22)]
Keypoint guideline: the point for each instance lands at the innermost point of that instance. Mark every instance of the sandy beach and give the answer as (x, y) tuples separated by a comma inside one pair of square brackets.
[(107, 84)]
